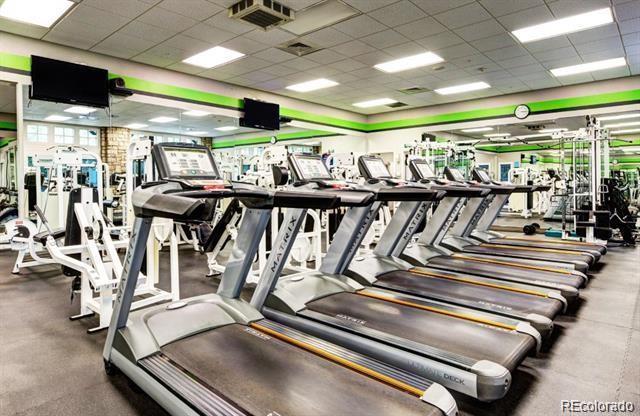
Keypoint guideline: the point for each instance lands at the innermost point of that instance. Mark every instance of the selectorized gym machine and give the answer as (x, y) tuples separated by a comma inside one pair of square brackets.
[(471, 354), (215, 354)]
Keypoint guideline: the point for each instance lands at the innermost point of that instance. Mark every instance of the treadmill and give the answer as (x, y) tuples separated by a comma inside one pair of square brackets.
[(458, 236), (381, 268), (482, 232), (428, 250), (468, 353), (216, 355)]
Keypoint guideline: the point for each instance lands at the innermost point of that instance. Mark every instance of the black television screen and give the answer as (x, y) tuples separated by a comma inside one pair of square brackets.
[(65, 82), (261, 115)]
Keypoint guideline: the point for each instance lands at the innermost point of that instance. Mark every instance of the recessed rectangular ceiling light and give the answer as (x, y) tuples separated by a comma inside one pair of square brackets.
[(552, 130), (477, 129), (79, 109), (627, 124), (197, 133), (619, 117), (627, 131), (213, 57), (36, 12), (55, 117), (588, 67), (497, 135), (375, 103), (312, 85), (136, 126), (457, 89), (409, 62), (564, 26), (227, 128), (162, 119), (196, 113)]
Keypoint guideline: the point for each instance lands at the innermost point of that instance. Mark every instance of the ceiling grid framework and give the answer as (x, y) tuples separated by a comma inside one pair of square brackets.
[(472, 36)]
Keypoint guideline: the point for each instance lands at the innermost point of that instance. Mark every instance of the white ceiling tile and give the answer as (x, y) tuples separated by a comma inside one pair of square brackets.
[(301, 64), (405, 49), (502, 7), (631, 39), (506, 53), (125, 8), (168, 52), (564, 8), (222, 21), (629, 26), (273, 37), (70, 39), (374, 58), (271, 85), (368, 5), (246, 46), (325, 56), (441, 40), (463, 16), (517, 61), (166, 19), (446, 77), (258, 76), (153, 59), (548, 44), (147, 32), (575, 79), (122, 46), (493, 42), (471, 61), (274, 55), (480, 30), (494, 75), (246, 64), (528, 17), (384, 39), (344, 78), (18, 28), (594, 34), (279, 70), (438, 6), (186, 68), (209, 34), (482, 69), (457, 51), (622, 71), (217, 73), (632, 49), (323, 71), (195, 9), (553, 54), (347, 65), (422, 28), (538, 84), (533, 71), (353, 48), (326, 37), (187, 44), (398, 13), (562, 62), (95, 17), (610, 43), (359, 26)]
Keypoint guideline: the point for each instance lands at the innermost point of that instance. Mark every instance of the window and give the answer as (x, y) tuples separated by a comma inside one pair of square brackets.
[(63, 135), (87, 137), (37, 133)]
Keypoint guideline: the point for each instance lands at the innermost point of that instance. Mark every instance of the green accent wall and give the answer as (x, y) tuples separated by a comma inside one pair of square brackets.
[(309, 134), (549, 146), (8, 125), (6, 140)]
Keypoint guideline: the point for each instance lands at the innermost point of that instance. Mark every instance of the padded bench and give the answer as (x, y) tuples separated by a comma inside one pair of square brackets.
[(42, 236)]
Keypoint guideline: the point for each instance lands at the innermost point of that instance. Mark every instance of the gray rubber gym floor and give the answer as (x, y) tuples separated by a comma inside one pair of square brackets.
[(51, 366)]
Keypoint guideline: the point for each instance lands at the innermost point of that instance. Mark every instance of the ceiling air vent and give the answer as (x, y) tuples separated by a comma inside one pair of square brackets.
[(414, 90), (263, 13), (397, 104), (298, 48)]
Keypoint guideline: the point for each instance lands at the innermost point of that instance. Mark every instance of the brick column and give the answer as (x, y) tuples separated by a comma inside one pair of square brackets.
[(114, 142), (207, 141)]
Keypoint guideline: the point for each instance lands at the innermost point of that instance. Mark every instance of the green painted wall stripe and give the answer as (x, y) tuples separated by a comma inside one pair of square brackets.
[(550, 146), (17, 62), (6, 140), (8, 125), (222, 143)]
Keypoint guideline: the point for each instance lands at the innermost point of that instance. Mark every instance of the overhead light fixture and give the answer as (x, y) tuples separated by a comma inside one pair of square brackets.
[(197, 133), (136, 126), (627, 124), (552, 130), (619, 117), (312, 85), (589, 67), (564, 26), (375, 103), (163, 119), (497, 135), (409, 62), (55, 117), (213, 57), (227, 128), (628, 131), (196, 113), (36, 12), (79, 109), (457, 89), (477, 129)]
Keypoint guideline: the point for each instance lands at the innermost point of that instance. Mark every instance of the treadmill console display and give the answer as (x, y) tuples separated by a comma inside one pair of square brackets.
[(484, 175), (377, 168), (456, 175), (191, 164), (311, 167), (425, 170)]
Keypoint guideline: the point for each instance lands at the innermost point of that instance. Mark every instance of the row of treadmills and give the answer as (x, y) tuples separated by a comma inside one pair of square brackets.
[(386, 333)]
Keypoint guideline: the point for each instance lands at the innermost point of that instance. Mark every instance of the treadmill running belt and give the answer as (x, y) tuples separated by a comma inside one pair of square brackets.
[(264, 375), (455, 335), (561, 244), (533, 244), (504, 272), (480, 296), (521, 252)]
